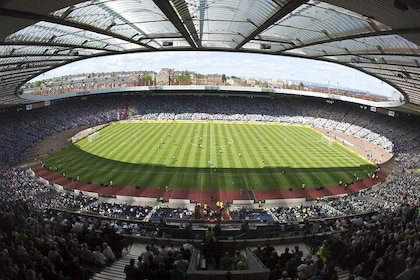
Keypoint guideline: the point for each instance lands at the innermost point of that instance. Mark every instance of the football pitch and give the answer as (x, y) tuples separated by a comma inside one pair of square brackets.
[(209, 155)]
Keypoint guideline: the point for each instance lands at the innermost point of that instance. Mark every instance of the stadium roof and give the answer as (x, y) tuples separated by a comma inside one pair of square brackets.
[(379, 37)]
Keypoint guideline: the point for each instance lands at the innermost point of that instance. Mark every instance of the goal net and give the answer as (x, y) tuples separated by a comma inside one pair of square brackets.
[(327, 140), (92, 137)]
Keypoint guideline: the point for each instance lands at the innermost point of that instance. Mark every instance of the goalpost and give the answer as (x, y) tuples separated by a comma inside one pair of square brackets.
[(327, 140), (92, 137)]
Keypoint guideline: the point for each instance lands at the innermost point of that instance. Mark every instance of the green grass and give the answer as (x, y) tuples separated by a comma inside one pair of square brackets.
[(206, 155)]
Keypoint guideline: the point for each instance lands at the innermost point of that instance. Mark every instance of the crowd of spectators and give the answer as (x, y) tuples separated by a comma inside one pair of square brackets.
[(401, 188), (20, 130), (16, 182), (75, 240), (408, 160), (372, 247), (384, 248), (166, 213), (36, 241), (257, 215), (305, 212), (39, 244), (160, 262), (118, 210), (29, 127)]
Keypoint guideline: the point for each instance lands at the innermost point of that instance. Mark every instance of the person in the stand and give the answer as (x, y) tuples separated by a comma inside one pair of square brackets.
[(176, 273), (86, 255), (286, 256), (98, 257), (108, 253), (227, 262), (131, 271), (181, 263), (162, 273), (188, 246)]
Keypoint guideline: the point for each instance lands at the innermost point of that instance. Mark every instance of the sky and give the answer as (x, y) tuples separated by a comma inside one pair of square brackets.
[(244, 65)]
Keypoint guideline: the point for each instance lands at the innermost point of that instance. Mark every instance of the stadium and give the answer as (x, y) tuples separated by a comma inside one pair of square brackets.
[(152, 175)]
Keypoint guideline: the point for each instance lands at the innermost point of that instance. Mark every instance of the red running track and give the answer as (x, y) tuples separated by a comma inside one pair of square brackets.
[(210, 197)]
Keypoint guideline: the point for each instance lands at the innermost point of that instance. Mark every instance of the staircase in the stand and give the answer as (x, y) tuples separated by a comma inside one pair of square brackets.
[(116, 270), (344, 275)]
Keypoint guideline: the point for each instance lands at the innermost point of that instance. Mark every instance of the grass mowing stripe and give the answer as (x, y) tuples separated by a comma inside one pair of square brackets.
[(105, 144), (224, 154), (240, 180), (235, 178), (256, 155), (192, 154)]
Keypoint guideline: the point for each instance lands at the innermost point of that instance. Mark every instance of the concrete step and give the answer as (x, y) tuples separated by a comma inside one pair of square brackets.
[(116, 270)]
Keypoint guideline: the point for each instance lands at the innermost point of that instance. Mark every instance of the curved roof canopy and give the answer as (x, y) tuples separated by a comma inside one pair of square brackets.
[(379, 37)]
